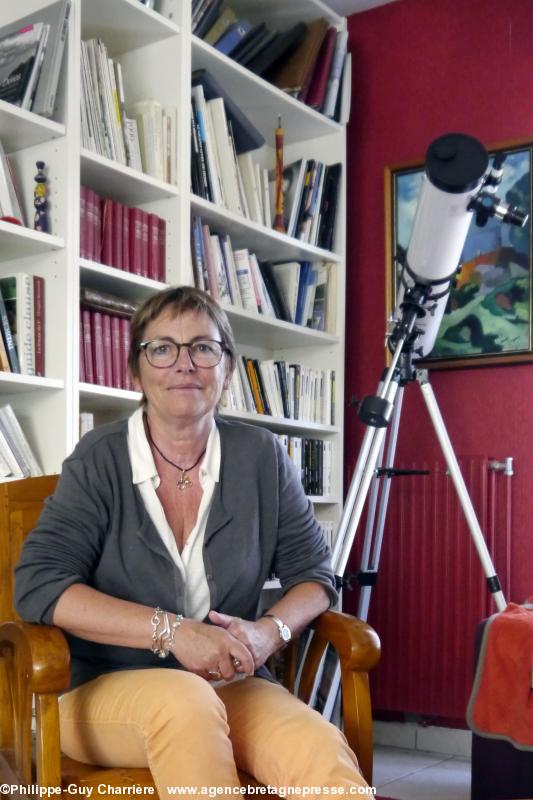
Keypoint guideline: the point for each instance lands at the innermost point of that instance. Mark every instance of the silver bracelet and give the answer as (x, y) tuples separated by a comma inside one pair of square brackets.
[(163, 640)]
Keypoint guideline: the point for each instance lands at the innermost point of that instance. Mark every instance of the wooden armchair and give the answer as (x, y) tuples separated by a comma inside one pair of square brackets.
[(34, 667)]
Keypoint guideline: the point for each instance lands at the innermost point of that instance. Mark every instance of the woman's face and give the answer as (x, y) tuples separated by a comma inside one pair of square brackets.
[(182, 391)]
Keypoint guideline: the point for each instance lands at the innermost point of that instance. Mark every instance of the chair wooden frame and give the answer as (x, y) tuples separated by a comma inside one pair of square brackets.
[(35, 668)]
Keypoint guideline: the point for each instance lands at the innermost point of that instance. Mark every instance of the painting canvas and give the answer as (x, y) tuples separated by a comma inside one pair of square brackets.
[(488, 315)]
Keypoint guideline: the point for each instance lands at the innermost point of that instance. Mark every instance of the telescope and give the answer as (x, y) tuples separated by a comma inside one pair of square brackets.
[(457, 186)]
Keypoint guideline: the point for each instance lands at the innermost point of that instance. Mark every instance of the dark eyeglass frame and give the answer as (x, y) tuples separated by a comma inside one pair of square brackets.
[(143, 345)]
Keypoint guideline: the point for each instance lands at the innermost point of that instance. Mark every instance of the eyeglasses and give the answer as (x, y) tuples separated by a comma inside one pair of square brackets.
[(163, 353)]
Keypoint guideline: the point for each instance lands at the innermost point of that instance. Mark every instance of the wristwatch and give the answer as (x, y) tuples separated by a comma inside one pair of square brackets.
[(284, 631)]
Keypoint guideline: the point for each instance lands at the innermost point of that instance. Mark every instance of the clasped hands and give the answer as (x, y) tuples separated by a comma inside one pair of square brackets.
[(228, 646)]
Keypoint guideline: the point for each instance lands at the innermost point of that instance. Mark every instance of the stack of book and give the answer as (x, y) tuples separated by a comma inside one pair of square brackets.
[(22, 324), (286, 391), (221, 138), (143, 136), (126, 238), (310, 198), (328, 527), (308, 61), (104, 339), (17, 459), (31, 52), (300, 292), (312, 459)]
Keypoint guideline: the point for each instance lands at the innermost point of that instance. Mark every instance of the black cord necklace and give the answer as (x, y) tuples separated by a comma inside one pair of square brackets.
[(184, 482)]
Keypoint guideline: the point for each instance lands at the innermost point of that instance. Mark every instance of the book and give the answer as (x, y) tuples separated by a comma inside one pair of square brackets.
[(208, 19), (97, 340), (248, 173), (226, 158), (9, 200), (319, 80), (31, 86), (248, 42), (328, 206), (88, 361), (17, 293), (18, 442), (208, 152), (56, 15), (287, 279), (268, 60), (149, 116), (103, 301), (39, 324), (345, 94), (232, 36), (277, 298), (334, 79), (18, 51), (295, 71), (246, 135), (226, 18)]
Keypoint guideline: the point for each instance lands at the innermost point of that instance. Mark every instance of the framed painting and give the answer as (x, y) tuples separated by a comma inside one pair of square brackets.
[(488, 318)]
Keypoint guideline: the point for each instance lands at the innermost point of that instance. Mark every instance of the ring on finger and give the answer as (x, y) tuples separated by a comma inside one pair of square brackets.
[(215, 674), (237, 663)]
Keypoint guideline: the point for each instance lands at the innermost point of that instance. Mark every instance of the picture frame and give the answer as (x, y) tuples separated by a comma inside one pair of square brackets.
[(489, 316)]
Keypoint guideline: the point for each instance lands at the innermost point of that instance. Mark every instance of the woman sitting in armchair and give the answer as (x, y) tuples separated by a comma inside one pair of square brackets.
[(151, 556)]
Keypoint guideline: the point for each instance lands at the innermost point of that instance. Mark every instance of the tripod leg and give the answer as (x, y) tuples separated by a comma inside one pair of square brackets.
[(369, 568), (365, 468), (493, 582)]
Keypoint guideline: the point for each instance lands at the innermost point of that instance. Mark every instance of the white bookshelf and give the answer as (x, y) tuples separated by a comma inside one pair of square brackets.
[(157, 52)]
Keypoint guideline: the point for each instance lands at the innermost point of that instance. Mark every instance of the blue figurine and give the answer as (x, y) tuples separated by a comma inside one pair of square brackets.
[(40, 199)]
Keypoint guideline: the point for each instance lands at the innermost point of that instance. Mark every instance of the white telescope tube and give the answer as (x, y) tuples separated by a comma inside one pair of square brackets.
[(454, 173)]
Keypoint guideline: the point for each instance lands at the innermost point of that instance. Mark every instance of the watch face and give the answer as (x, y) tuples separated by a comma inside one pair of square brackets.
[(285, 633)]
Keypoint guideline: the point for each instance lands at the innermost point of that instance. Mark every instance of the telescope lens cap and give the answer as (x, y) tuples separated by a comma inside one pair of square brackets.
[(456, 162)]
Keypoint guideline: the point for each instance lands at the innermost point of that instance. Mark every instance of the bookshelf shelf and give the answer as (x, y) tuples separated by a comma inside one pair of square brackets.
[(287, 13), (104, 398), (20, 129), (261, 331), (262, 101), (16, 241), (13, 383), (116, 281), (124, 24), (281, 425), (122, 183), (266, 243)]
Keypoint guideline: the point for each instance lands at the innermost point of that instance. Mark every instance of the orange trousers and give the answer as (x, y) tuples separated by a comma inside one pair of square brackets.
[(190, 734)]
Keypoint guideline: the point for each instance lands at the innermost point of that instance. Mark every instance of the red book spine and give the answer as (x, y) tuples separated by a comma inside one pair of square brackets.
[(87, 345), (145, 257), (89, 213), (319, 81), (108, 357), (153, 247), (135, 240), (125, 341), (98, 347), (116, 353), (117, 210), (126, 239), (82, 352), (38, 331), (107, 232), (83, 222), (97, 226), (162, 250)]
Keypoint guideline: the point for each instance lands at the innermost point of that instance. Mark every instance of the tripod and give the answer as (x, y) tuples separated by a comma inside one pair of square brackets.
[(378, 412)]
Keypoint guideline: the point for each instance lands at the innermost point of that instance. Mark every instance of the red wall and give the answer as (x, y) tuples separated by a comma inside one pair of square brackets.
[(422, 68)]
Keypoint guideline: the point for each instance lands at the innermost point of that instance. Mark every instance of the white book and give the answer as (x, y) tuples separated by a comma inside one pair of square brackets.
[(224, 295), (27, 100), (9, 202), (244, 278), (247, 392), (57, 16), (266, 198), (313, 231), (248, 173), (104, 146), (207, 137), (133, 147), (238, 392), (346, 90), (15, 471), (335, 73), (171, 116), (89, 96), (269, 366), (116, 113), (231, 272), (86, 422), (5, 469), (12, 428), (287, 277), (266, 304), (259, 183), (219, 126), (149, 116)]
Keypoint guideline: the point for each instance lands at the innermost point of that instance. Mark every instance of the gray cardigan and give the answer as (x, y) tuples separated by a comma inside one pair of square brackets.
[(96, 530)]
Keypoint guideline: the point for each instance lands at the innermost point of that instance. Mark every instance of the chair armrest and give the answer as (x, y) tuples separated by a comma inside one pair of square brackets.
[(358, 648), (35, 661)]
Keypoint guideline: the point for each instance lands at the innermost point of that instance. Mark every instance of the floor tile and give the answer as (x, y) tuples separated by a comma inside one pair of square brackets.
[(393, 763), (445, 780)]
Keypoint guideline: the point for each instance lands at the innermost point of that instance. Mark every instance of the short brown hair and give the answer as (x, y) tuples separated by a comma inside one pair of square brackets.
[(178, 299)]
